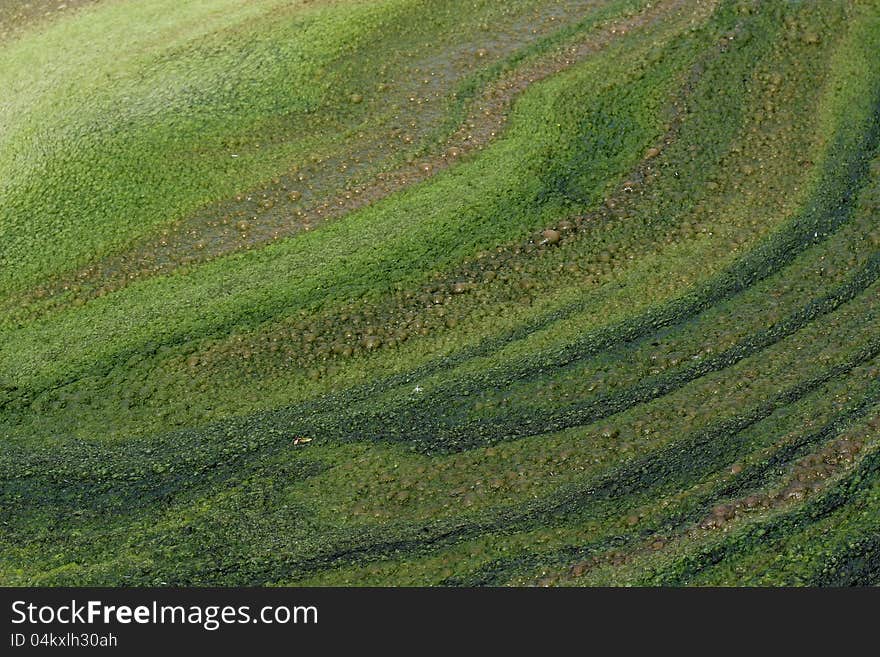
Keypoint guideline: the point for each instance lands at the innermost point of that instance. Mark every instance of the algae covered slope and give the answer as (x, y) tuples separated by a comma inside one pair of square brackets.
[(409, 292)]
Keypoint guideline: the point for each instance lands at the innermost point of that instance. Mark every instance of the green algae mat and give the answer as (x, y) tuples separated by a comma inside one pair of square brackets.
[(434, 292)]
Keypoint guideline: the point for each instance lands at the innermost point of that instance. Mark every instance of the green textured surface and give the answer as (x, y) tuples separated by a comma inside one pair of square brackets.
[(403, 292)]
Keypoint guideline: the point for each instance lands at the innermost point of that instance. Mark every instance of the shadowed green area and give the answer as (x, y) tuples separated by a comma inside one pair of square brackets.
[(630, 339)]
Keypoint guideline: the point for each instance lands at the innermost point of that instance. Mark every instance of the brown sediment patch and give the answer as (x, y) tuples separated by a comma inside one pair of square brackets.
[(517, 272), (331, 186), (805, 477), (17, 16)]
